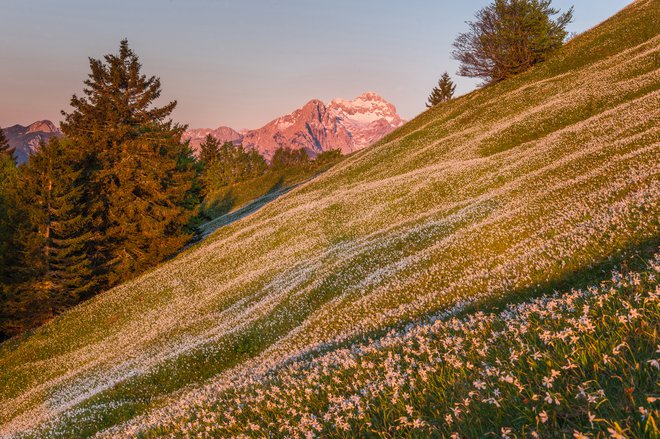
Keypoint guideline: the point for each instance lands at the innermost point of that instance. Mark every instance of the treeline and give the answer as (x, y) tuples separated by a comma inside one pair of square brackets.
[(227, 164), (116, 195)]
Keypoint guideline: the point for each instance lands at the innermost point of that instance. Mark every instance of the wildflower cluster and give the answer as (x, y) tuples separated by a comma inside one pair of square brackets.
[(581, 364)]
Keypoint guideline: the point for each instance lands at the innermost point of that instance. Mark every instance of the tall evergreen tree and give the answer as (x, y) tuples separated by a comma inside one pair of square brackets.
[(209, 150), (508, 37), (53, 271), (8, 251), (5, 149), (140, 178), (443, 92), (148, 196), (8, 175)]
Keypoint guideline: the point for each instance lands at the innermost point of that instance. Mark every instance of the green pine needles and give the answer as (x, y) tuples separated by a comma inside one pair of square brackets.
[(443, 92), (110, 200)]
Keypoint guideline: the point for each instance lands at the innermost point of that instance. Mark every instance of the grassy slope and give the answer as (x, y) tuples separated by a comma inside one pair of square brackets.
[(235, 196), (500, 193), (256, 192), (579, 364)]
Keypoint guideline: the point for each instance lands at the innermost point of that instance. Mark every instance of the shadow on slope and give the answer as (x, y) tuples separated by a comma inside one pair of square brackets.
[(146, 392)]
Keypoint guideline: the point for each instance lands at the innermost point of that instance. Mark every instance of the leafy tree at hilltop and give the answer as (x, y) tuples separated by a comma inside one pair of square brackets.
[(139, 177), (443, 92), (5, 149), (508, 37), (329, 156)]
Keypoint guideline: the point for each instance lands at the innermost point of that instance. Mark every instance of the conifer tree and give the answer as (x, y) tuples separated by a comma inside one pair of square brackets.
[(151, 185), (8, 251), (53, 271), (8, 175), (209, 150), (5, 149), (139, 177), (443, 92)]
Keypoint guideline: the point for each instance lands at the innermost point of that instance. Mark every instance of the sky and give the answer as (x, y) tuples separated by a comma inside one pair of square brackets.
[(241, 63)]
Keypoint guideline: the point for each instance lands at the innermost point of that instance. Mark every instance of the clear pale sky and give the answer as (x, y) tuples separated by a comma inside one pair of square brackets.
[(241, 63)]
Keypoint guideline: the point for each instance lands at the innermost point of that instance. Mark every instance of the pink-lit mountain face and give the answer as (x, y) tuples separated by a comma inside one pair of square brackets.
[(223, 134), (26, 139), (347, 125)]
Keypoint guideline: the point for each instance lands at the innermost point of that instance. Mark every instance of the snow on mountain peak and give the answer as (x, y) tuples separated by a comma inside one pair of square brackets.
[(366, 108), (368, 117), (348, 125)]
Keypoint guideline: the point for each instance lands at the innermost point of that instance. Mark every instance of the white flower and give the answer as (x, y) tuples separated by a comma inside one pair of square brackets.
[(479, 384), (550, 399), (543, 417), (547, 382)]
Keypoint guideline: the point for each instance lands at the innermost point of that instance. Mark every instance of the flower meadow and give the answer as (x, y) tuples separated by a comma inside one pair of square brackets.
[(295, 318), (585, 363)]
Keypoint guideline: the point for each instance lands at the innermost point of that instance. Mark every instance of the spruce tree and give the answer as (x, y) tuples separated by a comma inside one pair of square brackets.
[(209, 150), (139, 177), (53, 271), (148, 215), (8, 251), (5, 149), (443, 92), (8, 175)]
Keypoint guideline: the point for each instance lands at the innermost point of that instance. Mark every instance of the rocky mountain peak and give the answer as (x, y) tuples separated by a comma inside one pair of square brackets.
[(222, 133), (42, 126), (348, 125), (26, 139)]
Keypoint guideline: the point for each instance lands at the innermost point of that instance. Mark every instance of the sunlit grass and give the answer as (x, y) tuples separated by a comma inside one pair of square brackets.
[(503, 194), (577, 364)]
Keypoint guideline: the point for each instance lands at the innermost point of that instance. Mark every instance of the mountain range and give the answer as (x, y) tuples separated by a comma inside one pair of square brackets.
[(26, 139), (347, 125)]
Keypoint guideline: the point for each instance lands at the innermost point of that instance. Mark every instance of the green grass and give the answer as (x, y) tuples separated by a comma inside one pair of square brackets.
[(233, 197), (584, 362), (542, 182)]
